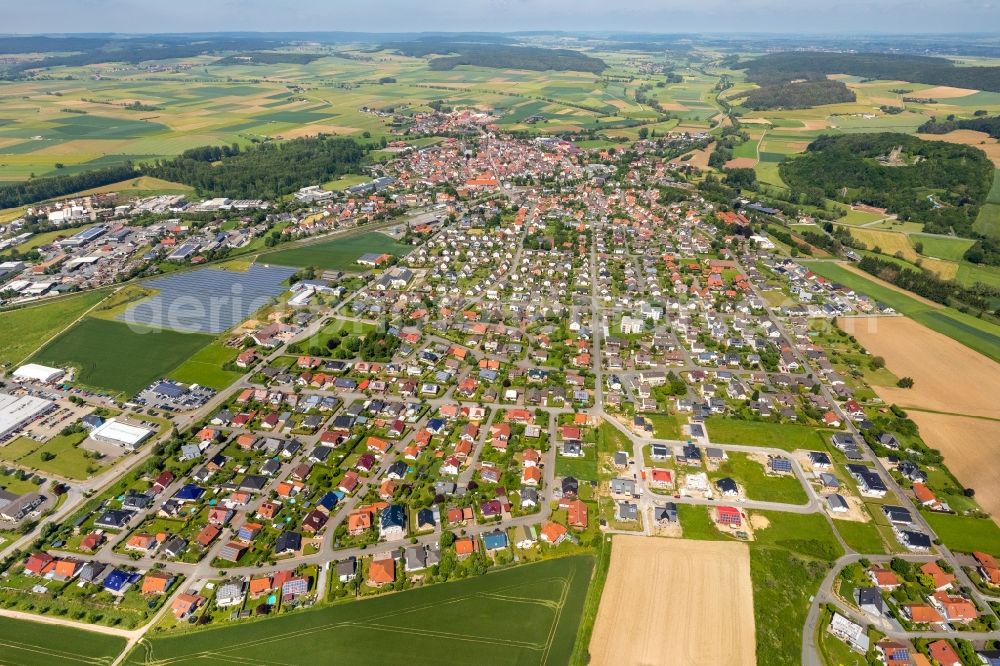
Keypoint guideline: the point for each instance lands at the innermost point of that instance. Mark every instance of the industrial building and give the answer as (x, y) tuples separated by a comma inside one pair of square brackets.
[(121, 433), (17, 411), (32, 372)]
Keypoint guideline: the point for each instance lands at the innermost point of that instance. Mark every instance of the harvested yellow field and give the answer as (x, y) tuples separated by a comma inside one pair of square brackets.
[(889, 241), (980, 140), (947, 375), (313, 130), (971, 449), (673, 601), (944, 92), (699, 158)]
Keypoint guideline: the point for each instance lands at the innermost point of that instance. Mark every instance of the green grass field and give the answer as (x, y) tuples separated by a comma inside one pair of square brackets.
[(69, 461), (338, 254), (115, 356), (523, 615), (787, 436), (951, 249), (581, 468), (758, 485), (205, 367), (965, 534), (23, 331), (862, 537), (788, 561), (35, 644)]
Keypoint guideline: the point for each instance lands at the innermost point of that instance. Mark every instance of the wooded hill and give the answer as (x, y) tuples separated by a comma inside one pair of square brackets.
[(799, 95), (939, 184), (500, 56)]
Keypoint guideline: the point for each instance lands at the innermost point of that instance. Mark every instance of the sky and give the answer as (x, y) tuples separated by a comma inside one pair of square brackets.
[(774, 16)]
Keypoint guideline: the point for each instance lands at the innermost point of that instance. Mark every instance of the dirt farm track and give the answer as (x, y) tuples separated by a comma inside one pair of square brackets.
[(673, 601)]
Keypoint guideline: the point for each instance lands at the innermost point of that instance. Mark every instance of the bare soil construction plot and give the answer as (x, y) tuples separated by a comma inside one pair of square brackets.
[(971, 449), (948, 376), (676, 602)]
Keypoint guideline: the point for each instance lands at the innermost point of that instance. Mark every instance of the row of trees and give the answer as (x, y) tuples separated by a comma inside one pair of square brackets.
[(263, 171), (922, 283)]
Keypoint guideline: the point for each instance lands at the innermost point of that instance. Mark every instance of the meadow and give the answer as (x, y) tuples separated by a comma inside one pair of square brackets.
[(758, 485), (965, 534), (205, 367), (786, 436), (118, 357), (338, 254), (68, 460), (78, 123), (523, 615), (22, 331), (41, 644)]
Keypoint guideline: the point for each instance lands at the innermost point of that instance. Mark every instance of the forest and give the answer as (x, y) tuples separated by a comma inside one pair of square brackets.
[(263, 171), (40, 189), (777, 68), (269, 58), (939, 184), (500, 56), (988, 124), (799, 95)]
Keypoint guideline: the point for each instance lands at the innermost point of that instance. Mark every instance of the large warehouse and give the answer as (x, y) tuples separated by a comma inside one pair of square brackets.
[(38, 373), (121, 433), (16, 411)]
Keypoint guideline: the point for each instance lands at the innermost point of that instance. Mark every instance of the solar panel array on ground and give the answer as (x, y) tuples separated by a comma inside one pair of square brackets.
[(207, 300)]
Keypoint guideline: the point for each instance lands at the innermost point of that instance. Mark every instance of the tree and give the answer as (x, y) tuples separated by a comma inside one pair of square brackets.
[(905, 382)]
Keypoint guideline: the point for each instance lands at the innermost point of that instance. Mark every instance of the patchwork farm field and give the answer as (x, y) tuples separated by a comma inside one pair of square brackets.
[(948, 376), (673, 601), (28, 643), (524, 615), (338, 254), (971, 450), (976, 334), (22, 331), (121, 358)]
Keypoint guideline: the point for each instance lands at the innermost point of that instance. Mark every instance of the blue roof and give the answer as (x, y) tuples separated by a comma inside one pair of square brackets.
[(329, 500), (393, 516), (495, 540), (189, 492), (117, 580)]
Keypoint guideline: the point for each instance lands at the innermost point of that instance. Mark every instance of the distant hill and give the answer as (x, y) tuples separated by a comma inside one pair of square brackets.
[(501, 56), (778, 68)]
